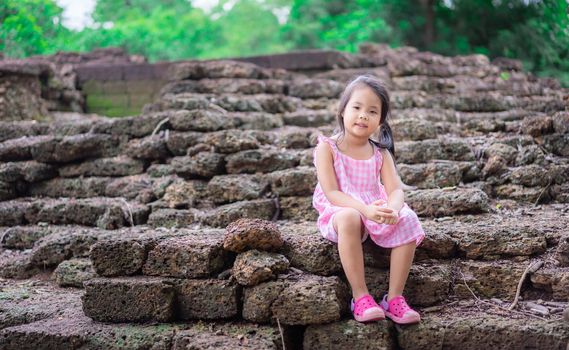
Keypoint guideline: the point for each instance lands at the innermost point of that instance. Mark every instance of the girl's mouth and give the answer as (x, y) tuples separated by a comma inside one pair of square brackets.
[(361, 125)]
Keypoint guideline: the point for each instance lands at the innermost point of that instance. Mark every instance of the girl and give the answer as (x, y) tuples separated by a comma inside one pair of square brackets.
[(353, 204)]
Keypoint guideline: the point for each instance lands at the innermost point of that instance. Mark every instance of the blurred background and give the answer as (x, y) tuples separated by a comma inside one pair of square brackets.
[(535, 32)]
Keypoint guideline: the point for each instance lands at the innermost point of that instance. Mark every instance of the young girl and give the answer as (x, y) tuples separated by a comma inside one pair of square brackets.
[(353, 204)]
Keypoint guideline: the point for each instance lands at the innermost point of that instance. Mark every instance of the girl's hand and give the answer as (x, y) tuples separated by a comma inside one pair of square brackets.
[(378, 212)]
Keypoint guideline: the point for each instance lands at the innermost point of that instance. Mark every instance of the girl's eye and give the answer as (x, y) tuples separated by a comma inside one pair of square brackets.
[(374, 112), (356, 107)]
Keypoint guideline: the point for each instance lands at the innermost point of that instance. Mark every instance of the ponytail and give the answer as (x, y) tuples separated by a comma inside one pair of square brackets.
[(385, 138)]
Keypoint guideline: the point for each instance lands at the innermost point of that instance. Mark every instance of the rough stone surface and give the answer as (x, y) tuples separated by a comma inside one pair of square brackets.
[(478, 331), (297, 208), (412, 152), (447, 202), (299, 181), (562, 252), (105, 213), (260, 160), (349, 334), (149, 148), (29, 171), (253, 267), (65, 243), (129, 299), (307, 250), (115, 166), (73, 272), (71, 148), (185, 194), (245, 234), (173, 218), (311, 300), (201, 165), (488, 279), (205, 341), (23, 237), (230, 141), (122, 256), (224, 215), (431, 175), (555, 281), (257, 300), (206, 299), (233, 188), (196, 254)]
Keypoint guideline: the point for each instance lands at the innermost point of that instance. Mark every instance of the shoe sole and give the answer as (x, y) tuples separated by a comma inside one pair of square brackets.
[(373, 315), (403, 320)]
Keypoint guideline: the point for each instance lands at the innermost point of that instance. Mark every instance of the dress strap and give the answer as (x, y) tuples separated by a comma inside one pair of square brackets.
[(332, 143)]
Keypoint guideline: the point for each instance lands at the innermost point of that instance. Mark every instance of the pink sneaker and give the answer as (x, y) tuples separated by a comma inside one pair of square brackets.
[(365, 309), (398, 310)]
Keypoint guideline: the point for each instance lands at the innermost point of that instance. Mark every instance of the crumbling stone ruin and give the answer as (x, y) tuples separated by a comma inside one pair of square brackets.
[(190, 225)]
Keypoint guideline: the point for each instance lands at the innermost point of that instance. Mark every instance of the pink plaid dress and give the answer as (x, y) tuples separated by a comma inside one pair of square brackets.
[(360, 179)]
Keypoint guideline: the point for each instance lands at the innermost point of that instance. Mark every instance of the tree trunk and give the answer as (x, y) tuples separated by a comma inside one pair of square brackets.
[(429, 11)]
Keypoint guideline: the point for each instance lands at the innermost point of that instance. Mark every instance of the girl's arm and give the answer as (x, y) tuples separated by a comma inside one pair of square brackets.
[(392, 182), (326, 174)]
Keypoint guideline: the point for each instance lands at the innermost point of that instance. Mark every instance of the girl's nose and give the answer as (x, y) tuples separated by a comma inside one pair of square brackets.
[(363, 116)]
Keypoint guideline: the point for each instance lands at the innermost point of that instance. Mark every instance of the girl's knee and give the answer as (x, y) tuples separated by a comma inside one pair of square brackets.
[(348, 218)]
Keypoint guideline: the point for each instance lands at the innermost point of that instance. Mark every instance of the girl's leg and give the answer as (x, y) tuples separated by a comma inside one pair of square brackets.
[(348, 225), (401, 260)]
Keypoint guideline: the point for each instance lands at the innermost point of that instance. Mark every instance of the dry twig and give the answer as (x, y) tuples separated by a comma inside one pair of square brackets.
[(532, 267), (497, 306), (162, 122), (281, 332)]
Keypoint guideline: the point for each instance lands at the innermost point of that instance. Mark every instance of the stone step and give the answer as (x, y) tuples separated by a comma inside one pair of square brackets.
[(517, 85), (477, 102), (57, 149), (437, 174), (498, 235), (296, 299), (73, 272), (107, 213), (225, 86), (23, 237), (115, 166), (41, 316), (472, 328), (28, 171), (437, 115), (350, 334), (448, 202), (141, 298), (57, 244), (141, 188), (229, 102), (412, 152)]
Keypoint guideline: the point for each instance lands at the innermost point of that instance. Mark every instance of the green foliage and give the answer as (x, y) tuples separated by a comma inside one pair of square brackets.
[(537, 32), (336, 24), (162, 34), (248, 28), (29, 27)]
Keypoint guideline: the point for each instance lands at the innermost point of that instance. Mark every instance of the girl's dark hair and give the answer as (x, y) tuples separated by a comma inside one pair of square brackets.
[(385, 136)]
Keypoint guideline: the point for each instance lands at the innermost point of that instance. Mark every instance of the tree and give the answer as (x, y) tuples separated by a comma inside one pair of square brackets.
[(249, 27), (29, 26), (335, 24)]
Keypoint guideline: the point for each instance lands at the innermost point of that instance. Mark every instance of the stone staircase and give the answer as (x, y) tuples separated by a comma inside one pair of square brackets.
[(123, 233)]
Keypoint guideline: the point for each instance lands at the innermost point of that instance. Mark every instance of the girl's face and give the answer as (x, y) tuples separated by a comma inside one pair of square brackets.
[(362, 113)]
